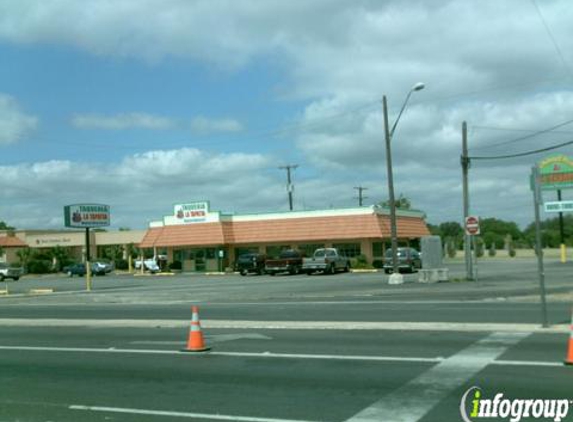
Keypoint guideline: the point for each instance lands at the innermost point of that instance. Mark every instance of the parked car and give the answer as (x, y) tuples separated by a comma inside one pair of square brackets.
[(75, 269), (148, 264), (10, 272), (409, 259), (326, 260), (80, 269), (102, 267), (251, 263), (289, 261)]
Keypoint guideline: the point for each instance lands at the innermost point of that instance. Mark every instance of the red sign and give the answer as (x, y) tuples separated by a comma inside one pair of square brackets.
[(472, 225)]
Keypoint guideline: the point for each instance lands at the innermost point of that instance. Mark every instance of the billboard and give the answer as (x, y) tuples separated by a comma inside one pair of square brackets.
[(86, 215)]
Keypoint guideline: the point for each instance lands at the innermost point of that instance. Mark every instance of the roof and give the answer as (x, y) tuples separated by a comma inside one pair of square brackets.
[(12, 242), (199, 234), (304, 229)]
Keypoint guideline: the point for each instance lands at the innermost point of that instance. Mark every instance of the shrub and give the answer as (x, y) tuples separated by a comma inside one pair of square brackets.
[(175, 265), (378, 263), (360, 262), (492, 251), (451, 248), (121, 264), (40, 266)]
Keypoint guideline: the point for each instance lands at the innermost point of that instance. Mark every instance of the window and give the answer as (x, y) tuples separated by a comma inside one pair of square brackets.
[(275, 251), (309, 249), (377, 249), (246, 250), (351, 250)]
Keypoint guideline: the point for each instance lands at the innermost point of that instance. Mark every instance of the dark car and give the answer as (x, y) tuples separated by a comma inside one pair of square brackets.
[(75, 269), (289, 261), (251, 263), (80, 269), (409, 259)]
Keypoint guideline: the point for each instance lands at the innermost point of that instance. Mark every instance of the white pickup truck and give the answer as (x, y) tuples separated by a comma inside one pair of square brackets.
[(9, 272), (148, 264), (326, 260)]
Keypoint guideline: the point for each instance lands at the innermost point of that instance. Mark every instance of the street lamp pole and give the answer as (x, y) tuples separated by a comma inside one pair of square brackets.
[(388, 134)]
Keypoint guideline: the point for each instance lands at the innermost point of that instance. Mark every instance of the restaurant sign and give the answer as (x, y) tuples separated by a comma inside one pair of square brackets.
[(86, 215), (195, 212), (556, 172)]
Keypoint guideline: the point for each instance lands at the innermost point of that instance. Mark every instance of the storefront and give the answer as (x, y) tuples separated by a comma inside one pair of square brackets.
[(198, 239)]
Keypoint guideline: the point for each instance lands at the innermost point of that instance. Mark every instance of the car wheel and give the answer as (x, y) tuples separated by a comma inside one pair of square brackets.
[(1, 277), (243, 273), (16, 278)]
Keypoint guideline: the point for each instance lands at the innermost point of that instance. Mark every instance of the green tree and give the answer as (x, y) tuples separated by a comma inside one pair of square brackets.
[(401, 202), (4, 226), (24, 255)]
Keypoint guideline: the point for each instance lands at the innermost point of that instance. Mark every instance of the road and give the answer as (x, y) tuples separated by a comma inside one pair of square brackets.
[(320, 348)]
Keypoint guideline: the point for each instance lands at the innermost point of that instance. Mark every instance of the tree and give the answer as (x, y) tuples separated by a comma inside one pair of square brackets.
[(401, 202), (4, 226)]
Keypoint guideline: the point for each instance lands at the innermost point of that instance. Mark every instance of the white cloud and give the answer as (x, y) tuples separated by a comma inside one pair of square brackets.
[(141, 187), (14, 124), (122, 121), (203, 125)]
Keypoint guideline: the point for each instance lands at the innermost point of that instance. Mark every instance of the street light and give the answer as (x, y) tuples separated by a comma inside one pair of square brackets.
[(396, 277)]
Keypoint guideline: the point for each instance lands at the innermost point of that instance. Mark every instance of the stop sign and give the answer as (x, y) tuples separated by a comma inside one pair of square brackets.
[(472, 225)]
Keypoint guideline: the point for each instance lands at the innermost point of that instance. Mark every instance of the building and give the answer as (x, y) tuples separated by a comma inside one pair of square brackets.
[(11, 241), (204, 240)]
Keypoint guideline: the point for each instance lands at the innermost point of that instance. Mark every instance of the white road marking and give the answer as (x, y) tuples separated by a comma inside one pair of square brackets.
[(287, 325), (190, 415), (415, 399), (112, 350)]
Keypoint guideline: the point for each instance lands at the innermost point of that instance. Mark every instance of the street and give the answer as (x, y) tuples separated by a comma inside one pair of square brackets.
[(322, 348)]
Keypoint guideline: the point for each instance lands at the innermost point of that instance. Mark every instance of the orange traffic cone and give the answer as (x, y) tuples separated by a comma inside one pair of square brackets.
[(569, 358), (195, 342)]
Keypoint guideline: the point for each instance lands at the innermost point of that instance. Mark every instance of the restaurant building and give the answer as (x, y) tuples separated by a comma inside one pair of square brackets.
[(204, 240)]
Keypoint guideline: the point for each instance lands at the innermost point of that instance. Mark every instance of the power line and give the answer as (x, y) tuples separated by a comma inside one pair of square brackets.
[(522, 138), (522, 154), (552, 38)]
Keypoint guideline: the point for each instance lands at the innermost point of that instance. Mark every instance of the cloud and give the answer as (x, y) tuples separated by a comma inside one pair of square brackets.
[(122, 121), (139, 188), (202, 125), (14, 124)]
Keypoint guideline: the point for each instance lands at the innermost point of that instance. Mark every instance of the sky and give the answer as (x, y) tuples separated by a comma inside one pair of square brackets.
[(143, 104)]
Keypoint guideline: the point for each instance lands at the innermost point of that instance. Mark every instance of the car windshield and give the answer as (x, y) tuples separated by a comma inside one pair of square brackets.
[(401, 253), (320, 253), (247, 257)]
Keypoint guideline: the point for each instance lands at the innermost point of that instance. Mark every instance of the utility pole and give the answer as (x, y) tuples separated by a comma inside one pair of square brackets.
[(290, 186), (360, 189), (465, 161)]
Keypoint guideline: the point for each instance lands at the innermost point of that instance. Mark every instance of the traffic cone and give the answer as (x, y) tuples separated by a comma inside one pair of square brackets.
[(569, 358), (195, 342)]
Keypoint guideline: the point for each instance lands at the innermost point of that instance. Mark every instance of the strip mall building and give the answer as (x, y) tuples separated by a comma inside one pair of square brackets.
[(205, 240)]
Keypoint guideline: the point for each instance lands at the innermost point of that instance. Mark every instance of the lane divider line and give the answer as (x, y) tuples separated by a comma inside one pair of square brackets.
[(190, 415), (112, 350)]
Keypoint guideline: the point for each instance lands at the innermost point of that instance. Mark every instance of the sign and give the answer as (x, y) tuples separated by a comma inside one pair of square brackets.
[(86, 215), (472, 225), (556, 172), (558, 206), (195, 212)]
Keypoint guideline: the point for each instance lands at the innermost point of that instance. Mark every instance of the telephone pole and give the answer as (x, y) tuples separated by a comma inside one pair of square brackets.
[(360, 189), (465, 161), (290, 186)]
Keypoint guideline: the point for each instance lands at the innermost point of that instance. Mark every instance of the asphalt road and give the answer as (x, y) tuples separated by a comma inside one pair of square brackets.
[(320, 348)]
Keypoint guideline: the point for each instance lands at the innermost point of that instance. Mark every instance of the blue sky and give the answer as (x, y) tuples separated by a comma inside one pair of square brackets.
[(143, 104)]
